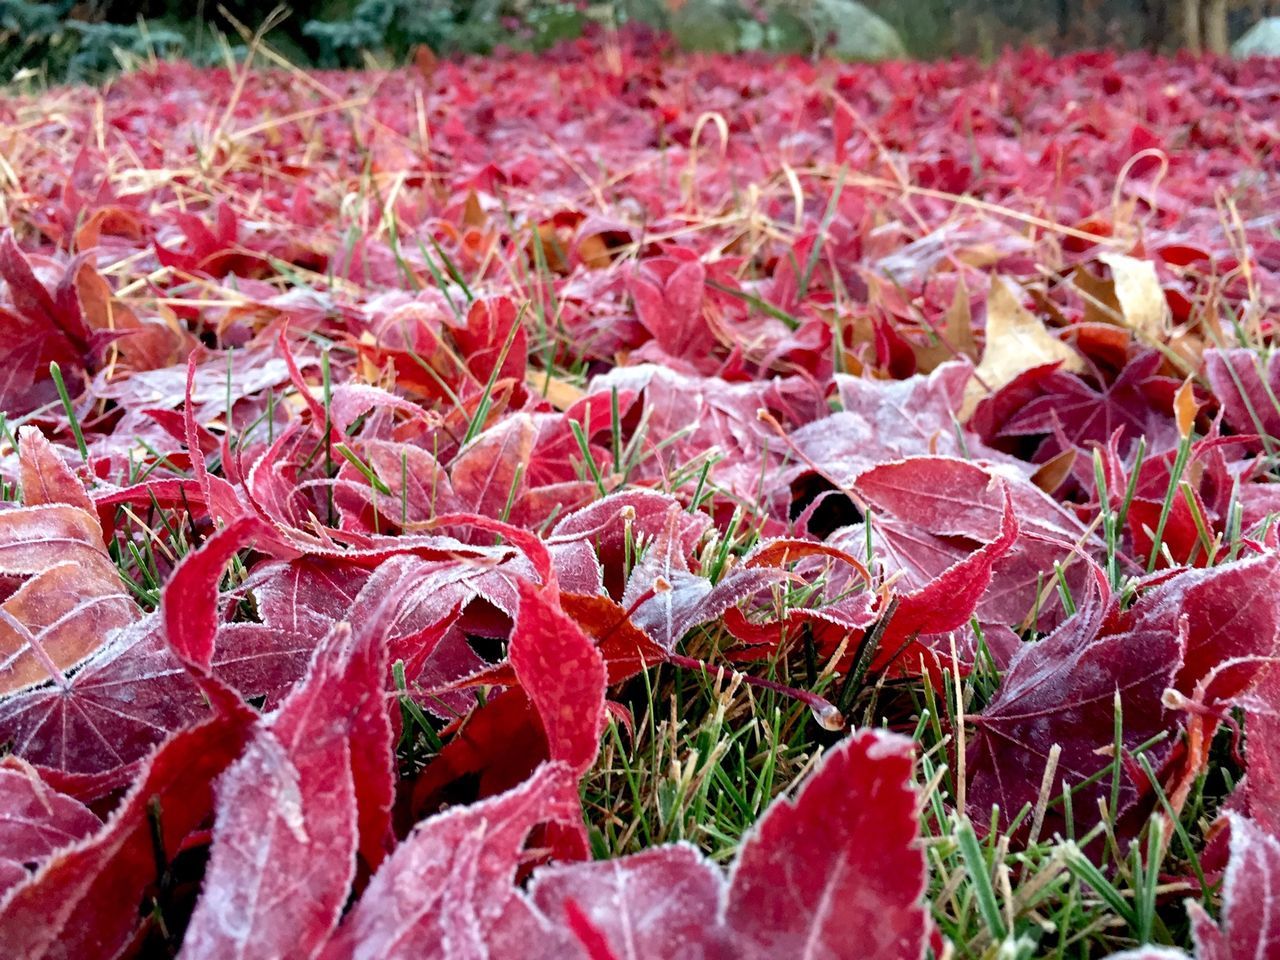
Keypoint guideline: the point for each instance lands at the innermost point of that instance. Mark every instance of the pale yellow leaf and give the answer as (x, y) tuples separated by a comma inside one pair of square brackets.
[(1017, 340), (561, 394), (1139, 294)]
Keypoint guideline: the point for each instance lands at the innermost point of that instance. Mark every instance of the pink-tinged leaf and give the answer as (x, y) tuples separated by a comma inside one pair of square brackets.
[(218, 495), (88, 735), (1250, 925), (1232, 612), (38, 331), (645, 513), (290, 816), (1063, 690), (45, 476), (447, 892), (494, 341), (948, 601), (488, 473), (190, 603), (563, 674), (65, 597), (87, 899), (930, 513), (686, 599), (1070, 412), (886, 420), (1247, 387), (668, 297), (1262, 752), (838, 870), (662, 902), (35, 821), (297, 604)]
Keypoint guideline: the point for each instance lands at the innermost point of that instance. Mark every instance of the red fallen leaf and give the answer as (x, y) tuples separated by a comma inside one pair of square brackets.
[(1180, 536), (626, 648), (35, 821), (668, 294), (1246, 387), (215, 252), (41, 329), (314, 786), (494, 748), (1070, 411), (948, 601), (921, 505), (447, 891), (836, 871), (688, 599), (297, 604), (843, 606), (88, 734), (218, 495), (190, 604), (563, 674), (604, 524), (687, 416), (494, 341), (417, 486), (64, 597), (488, 473), (233, 375), (87, 899), (45, 477), (1250, 925), (1232, 612), (556, 712), (85, 731), (1057, 691), (1261, 789), (662, 902), (885, 420)]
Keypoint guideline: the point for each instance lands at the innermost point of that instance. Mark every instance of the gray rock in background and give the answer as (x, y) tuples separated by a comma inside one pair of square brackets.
[(840, 28), (848, 30), (1262, 40)]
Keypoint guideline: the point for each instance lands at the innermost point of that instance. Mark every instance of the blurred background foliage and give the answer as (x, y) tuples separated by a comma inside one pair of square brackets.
[(56, 40)]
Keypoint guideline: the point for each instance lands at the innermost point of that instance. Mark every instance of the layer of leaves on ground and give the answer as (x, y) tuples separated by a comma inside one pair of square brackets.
[(444, 510)]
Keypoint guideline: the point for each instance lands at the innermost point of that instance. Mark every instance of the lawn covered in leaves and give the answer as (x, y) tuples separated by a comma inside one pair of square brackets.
[(629, 505)]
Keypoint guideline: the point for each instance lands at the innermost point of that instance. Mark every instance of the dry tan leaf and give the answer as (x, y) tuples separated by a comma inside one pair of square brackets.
[(1138, 291), (1053, 473), (561, 394), (958, 334), (1016, 341), (1099, 295)]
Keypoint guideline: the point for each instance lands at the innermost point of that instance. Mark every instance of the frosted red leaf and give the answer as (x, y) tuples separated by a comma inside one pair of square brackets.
[(1250, 926), (1063, 690), (836, 871), (447, 891), (313, 787), (35, 821), (663, 902), (563, 674), (46, 478), (64, 597), (87, 899)]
